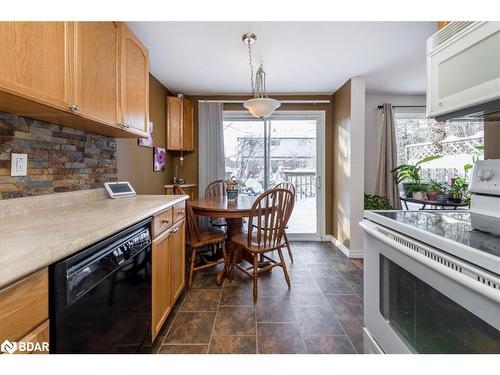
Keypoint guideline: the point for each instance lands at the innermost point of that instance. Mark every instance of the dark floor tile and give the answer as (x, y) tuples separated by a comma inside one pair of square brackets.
[(275, 309), (354, 329), (333, 286), (183, 349), (359, 262), (307, 296), (328, 345), (191, 328), (346, 306), (205, 281), (233, 345), (350, 271), (325, 271), (237, 295), (317, 320), (279, 338), (359, 290), (201, 300), (235, 321)]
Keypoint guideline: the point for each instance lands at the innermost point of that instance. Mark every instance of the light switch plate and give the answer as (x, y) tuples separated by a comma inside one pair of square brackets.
[(18, 164)]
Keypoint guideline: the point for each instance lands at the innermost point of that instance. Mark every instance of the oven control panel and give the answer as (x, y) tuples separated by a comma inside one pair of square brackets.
[(486, 177)]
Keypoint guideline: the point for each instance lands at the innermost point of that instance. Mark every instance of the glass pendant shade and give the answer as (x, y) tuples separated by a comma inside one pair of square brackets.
[(261, 107)]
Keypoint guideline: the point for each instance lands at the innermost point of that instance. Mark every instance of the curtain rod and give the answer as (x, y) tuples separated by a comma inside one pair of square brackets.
[(403, 106), (322, 101)]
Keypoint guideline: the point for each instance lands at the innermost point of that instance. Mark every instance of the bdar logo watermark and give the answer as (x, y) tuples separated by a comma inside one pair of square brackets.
[(23, 346)]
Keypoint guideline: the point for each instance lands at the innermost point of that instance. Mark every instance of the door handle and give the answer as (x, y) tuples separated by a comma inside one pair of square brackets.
[(318, 182)]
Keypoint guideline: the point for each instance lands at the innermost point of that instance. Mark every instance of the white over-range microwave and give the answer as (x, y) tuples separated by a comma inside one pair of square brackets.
[(463, 71)]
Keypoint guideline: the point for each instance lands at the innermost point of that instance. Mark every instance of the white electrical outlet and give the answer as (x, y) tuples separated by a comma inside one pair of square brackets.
[(18, 164)]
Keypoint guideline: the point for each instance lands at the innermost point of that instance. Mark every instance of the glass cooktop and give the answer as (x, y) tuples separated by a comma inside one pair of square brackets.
[(455, 226)]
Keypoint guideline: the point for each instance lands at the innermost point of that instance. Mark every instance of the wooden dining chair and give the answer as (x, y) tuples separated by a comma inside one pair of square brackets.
[(289, 186), (201, 243), (216, 188), (266, 228)]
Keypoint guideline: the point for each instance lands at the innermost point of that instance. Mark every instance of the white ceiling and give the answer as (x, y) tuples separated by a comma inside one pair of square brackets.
[(298, 57)]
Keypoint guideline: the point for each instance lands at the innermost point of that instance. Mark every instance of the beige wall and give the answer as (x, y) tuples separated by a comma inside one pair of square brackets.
[(134, 162), (492, 140), (348, 163)]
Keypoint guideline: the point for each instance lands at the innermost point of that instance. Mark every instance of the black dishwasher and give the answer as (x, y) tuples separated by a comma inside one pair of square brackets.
[(100, 298)]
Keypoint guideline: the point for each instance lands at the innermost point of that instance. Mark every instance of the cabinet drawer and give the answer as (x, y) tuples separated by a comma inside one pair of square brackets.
[(39, 337), (24, 306), (179, 211), (162, 221)]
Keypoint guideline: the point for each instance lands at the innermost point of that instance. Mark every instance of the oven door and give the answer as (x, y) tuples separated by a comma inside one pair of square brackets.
[(417, 303)]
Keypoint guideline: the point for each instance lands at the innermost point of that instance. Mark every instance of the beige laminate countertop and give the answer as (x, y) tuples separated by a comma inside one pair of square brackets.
[(38, 231)]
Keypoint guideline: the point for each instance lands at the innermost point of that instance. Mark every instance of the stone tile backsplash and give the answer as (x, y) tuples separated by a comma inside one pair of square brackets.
[(59, 158)]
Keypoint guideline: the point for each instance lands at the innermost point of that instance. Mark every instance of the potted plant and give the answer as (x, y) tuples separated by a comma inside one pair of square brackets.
[(436, 192), (409, 174), (418, 191), (459, 190), (376, 202)]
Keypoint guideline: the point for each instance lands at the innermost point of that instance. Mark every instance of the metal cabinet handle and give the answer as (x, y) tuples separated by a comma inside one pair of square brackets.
[(165, 221), (181, 212), (74, 107), (124, 125)]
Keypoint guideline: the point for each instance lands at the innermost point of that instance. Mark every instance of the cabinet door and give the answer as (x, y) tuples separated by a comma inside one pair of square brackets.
[(96, 70), (134, 83), (174, 123), (177, 246), (40, 337), (188, 130), (161, 287), (36, 61)]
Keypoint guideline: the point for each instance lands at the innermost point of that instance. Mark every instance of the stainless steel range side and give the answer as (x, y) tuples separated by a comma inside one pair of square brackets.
[(432, 281)]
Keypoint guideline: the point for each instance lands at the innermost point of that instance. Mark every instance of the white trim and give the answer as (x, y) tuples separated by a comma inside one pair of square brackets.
[(304, 237), (347, 252)]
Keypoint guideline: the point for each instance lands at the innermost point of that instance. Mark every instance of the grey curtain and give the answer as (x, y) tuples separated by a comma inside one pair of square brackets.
[(211, 164), (385, 185)]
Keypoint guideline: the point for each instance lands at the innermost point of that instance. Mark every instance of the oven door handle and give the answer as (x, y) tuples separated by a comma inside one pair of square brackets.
[(456, 276)]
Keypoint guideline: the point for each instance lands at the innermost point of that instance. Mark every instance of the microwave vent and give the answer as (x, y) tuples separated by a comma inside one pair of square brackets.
[(446, 33)]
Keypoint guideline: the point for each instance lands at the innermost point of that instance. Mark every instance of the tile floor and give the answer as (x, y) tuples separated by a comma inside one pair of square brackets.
[(321, 313)]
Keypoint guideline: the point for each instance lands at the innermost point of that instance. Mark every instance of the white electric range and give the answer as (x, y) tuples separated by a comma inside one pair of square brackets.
[(432, 281)]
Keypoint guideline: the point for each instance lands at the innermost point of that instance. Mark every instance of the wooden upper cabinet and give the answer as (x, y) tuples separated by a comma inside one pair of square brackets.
[(175, 114), (97, 71), (180, 131), (36, 61), (134, 83)]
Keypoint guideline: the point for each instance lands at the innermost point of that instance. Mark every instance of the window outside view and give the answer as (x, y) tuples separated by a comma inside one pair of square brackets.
[(457, 142), (291, 156)]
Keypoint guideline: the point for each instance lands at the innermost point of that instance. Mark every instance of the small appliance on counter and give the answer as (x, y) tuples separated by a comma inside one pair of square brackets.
[(119, 189), (485, 202)]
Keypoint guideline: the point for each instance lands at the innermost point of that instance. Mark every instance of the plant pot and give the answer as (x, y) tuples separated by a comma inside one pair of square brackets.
[(419, 195), (432, 196), (455, 199), (442, 198), (232, 194), (406, 189)]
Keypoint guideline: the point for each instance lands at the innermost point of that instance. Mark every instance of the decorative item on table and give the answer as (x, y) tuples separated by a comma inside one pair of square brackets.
[(436, 192), (159, 158), (147, 141), (459, 191), (419, 191), (179, 181), (232, 188)]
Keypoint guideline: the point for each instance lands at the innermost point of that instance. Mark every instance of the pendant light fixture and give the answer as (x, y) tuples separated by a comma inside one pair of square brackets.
[(260, 105)]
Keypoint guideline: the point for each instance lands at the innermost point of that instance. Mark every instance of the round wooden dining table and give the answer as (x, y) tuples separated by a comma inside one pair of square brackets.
[(233, 211)]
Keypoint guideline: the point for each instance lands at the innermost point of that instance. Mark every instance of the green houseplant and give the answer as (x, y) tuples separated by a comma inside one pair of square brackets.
[(418, 191), (376, 202), (409, 174), (459, 190), (436, 192)]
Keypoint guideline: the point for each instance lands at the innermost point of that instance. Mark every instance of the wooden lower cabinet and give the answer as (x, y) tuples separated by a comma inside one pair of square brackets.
[(168, 262), (24, 313)]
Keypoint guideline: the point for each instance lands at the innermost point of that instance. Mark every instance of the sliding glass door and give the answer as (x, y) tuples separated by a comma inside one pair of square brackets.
[(288, 146)]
